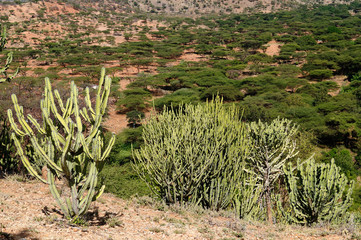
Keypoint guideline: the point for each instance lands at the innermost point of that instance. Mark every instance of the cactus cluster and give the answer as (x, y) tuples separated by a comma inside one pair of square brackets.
[(70, 141), (317, 192), (194, 154)]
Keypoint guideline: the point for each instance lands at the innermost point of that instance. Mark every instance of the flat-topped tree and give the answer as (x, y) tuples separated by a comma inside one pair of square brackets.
[(70, 143)]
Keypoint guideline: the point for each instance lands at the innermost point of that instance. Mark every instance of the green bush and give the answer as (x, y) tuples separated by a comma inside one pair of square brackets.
[(123, 181), (121, 152), (181, 96), (319, 74), (343, 159), (228, 93)]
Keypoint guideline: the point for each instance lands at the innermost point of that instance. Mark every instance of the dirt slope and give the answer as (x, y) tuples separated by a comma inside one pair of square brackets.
[(28, 211)]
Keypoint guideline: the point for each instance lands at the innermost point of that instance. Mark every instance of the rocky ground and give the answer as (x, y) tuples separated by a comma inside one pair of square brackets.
[(28, 211)]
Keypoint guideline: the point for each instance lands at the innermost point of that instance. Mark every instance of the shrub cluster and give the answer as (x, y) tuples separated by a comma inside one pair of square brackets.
[(206, 155)]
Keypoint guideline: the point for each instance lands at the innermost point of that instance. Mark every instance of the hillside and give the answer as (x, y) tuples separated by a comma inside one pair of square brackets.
[(194, 7), (301, 64), (182, 7)]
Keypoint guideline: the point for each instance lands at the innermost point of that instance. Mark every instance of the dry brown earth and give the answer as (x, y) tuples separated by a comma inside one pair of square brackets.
[(28, 211)]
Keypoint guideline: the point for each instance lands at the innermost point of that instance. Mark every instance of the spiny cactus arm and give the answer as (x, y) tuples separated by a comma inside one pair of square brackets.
[(56, 194), (20, 115), (68, 108), (13, 124), (94, 129), (85, 186), (78, 122), (57, 137), (63, 160), (36, 124), (105, 95), (89, 103), (75, 200), (97, 148), (84, 114), (108, 149), (101, 103), (85, 146), (69, 207), (25, 159), (58, 98), (40, 151), (86, 201), (49, 98), (99, 97), (99, 193)]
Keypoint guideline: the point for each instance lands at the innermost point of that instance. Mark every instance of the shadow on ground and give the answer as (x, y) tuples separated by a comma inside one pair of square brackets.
[(23, 234)]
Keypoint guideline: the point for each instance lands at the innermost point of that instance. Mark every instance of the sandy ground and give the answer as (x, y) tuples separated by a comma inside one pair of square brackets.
[(28, 211), (341, 81), (273, 48)]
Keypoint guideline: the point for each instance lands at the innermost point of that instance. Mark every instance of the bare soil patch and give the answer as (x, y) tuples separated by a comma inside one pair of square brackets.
[(273, 48), (341, 81)]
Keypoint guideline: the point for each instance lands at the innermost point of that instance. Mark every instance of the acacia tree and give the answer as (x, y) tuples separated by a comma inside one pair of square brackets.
[(272, 144)]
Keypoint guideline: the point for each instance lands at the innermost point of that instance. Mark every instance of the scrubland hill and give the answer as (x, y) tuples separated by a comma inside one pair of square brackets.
[(298, 60), (195, 7), (182, 7)]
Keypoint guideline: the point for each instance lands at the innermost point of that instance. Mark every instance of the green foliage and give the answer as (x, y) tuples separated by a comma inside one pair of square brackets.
[(134, 100), (134, 118), (8, 161), (343, 160), (70, 150), (319, 74), (123, 181), (228, 93), (125, 141), (317, 192), (306, 41), (177, 98), (193, 154)]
